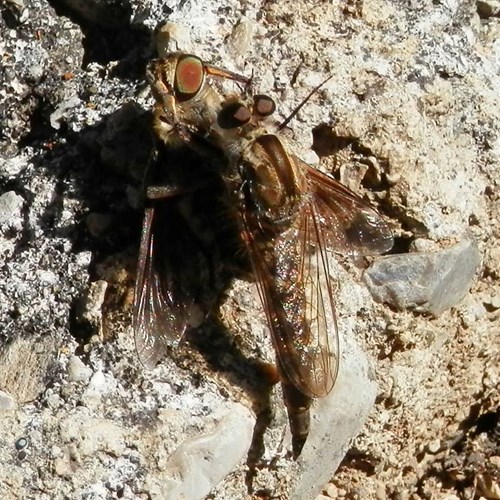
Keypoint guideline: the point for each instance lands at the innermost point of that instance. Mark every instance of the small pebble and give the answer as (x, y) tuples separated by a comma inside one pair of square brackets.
[(473, 312), (240, 39), (78, 371), (331, 490), (392, 179), (7, 402), (11, 206), (380, 492), (425, 281), (61, 467), (21, 443), (98, 382), (434, 446)]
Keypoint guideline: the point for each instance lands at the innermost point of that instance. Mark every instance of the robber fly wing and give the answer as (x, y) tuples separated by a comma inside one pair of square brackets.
[(160, 318), (351, 226), (294, 286)]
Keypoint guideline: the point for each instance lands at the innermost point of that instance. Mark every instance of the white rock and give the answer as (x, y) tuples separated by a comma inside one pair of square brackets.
[(78, 371), (11, 205), (196, 466), (7, 402), (333, 424), (425, 281)]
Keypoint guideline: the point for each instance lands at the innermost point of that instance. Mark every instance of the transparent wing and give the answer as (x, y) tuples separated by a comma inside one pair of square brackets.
[(350, 225), (161, 313), (293, 280)]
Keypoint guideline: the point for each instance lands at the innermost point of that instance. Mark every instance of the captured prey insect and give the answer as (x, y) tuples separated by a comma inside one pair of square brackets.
[(288, 216)]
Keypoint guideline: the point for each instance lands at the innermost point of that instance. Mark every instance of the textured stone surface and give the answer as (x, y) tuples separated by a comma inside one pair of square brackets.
[(410, 119), (426, 281), (199, 464), (11, 206)]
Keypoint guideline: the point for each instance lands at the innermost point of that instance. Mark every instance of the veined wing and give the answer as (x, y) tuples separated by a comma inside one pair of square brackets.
[(350, 225), (291, 271), (162, 309)]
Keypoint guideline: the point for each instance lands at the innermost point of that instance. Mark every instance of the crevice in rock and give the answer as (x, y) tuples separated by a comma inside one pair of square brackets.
[(108, 33)]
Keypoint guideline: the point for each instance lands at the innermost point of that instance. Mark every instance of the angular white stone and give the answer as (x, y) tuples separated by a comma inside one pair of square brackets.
[(197, 465), (425, 281), (335, 420)]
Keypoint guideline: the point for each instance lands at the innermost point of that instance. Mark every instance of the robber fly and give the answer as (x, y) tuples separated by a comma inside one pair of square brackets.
[(178, 264), (289, 216)]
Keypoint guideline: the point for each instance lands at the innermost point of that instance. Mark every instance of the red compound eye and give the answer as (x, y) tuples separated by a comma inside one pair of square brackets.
[(189, 77)]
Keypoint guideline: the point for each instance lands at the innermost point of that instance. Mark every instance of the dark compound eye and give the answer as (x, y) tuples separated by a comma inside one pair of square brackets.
[(263, 105), (189, 77), (234, 115)]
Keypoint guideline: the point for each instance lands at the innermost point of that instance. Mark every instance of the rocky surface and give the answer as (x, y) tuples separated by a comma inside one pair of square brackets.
[(430, 282), (410, 119)]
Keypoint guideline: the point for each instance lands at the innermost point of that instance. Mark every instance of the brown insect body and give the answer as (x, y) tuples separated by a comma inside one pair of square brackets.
[(184, 98), (275, 187), (286, 247), (290, 215), (182, 249)]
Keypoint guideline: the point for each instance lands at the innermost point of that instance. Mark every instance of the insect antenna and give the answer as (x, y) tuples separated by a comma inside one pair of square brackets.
[(287, 120), (229, 75)]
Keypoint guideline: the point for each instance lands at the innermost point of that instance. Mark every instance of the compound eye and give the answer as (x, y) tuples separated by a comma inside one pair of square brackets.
[(189, 77), (263, 105), (234, 115)]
